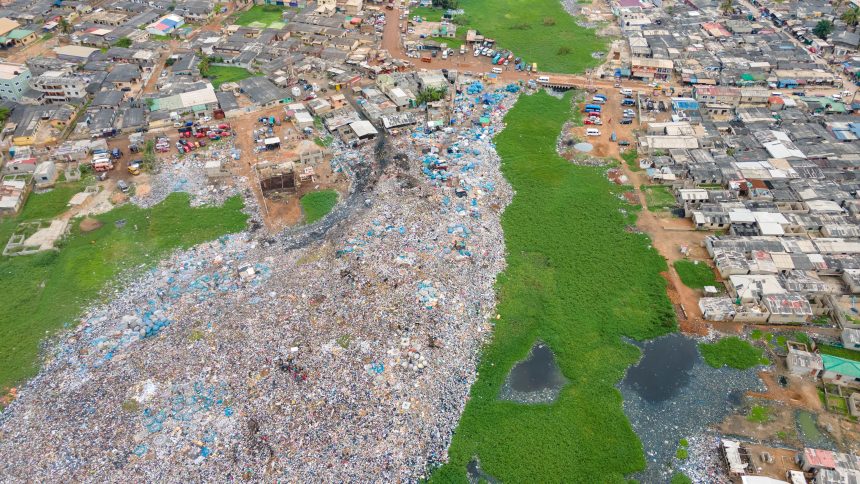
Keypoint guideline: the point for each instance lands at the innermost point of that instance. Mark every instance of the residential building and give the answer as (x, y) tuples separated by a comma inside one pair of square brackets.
[(60, 86), (14, 80)]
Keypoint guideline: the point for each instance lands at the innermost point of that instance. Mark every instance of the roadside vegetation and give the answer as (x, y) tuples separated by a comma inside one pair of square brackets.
[(631, 157), (45, 292), (317, 204), (732, 352), (571, 276), (693, 275)]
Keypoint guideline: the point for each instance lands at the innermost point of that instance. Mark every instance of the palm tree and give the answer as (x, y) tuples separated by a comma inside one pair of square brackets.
[(851, 16), (64, 25), (727, 7)]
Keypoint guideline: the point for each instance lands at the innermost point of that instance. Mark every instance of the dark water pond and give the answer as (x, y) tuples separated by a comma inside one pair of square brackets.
[(536, 379), (671, 394), (664, 368)]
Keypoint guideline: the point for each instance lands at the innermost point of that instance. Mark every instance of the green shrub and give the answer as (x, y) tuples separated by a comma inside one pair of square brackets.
[(732, 352)]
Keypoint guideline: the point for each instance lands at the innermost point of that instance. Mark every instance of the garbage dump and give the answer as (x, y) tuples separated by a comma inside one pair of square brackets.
[(334, 353)]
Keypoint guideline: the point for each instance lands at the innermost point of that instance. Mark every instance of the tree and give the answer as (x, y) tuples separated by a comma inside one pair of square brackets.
[(727, 7), (851, 16), (123, 42), (203, 66), (430, 94), (4, 114), (823, 29), (64, 26)]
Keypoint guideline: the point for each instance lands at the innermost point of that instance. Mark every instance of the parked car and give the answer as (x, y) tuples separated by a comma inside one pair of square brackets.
[(123, 186)]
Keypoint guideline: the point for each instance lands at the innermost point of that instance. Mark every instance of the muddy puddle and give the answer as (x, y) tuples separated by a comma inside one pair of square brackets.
[(536, 379), (671, 394), (809, 432)]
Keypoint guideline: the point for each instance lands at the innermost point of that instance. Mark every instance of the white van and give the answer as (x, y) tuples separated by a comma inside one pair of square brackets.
[(543, 79), (627, 91), (497, 70), (592, 132)]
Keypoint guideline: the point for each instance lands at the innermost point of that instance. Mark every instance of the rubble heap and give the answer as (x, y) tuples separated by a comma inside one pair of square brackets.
[(348, 359)]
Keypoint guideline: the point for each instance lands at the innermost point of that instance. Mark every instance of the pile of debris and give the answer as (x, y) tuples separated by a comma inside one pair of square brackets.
[(345, 359)]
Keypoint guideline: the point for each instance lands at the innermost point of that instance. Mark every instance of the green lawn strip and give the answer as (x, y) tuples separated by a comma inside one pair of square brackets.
[(659, 197), (733, 352), (317, 204), (44, 292), (454, 43), (539, 31), (578, 281), (840, 352), (264, 14), (221, 74), (693, 275)]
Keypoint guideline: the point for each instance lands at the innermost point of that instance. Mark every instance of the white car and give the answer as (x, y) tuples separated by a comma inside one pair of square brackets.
[(477, 53)]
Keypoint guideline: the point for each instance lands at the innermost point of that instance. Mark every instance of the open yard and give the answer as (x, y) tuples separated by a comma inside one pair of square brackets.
[(221, 74), (658, 198), (45, 292), (695, 275), (571, 276), (539, 31), (260, 14)]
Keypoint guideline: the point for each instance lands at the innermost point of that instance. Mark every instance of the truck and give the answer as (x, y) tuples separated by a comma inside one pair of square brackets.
[(102, 164), (592, 108), (134, 167)]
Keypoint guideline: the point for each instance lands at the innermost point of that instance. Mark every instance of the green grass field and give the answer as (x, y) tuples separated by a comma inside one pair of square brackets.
[(840, 352), (578, 281), (316, 205), (539, 31), (221, 74), (264, 14), (695, 276), (732, 352), (427, 14), (659, 198), (44, 292)]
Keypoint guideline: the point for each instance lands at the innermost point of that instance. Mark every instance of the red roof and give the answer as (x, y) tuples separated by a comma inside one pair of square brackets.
[(819, 458)]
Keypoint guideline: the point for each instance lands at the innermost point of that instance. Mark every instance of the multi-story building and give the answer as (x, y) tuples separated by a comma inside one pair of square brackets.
[(59, 86), (14, 80)]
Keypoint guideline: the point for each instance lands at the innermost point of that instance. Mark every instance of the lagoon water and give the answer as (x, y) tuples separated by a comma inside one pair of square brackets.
[(671, 393)]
